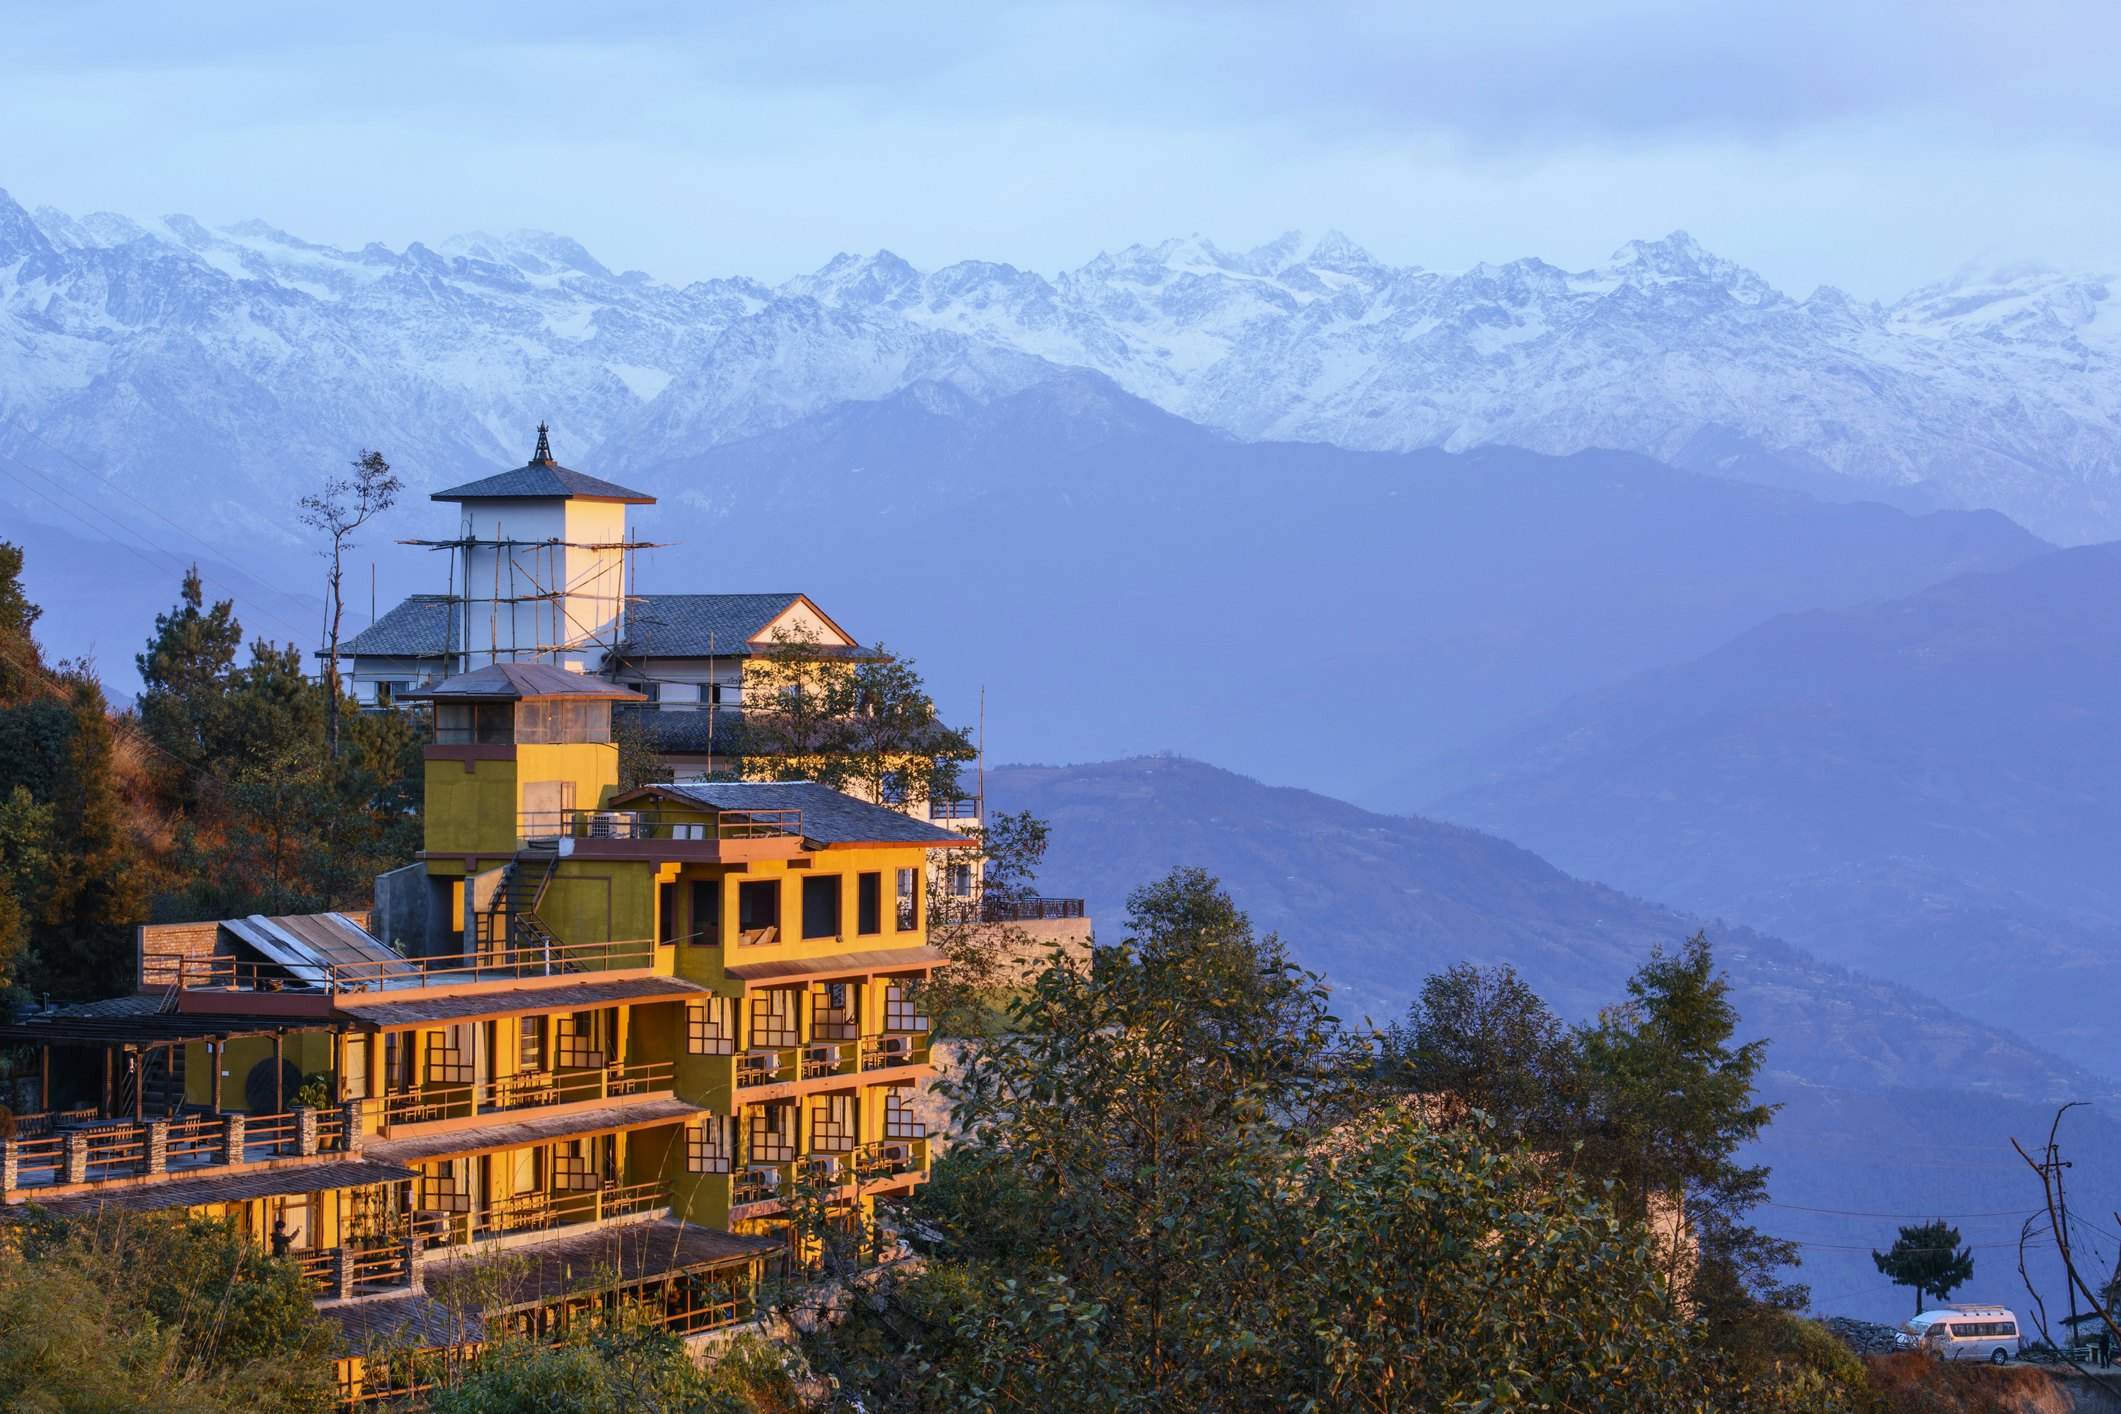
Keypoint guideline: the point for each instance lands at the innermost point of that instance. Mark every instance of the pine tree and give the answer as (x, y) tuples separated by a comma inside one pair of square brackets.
[(185, 670), (1927, 1257), (21, 663)]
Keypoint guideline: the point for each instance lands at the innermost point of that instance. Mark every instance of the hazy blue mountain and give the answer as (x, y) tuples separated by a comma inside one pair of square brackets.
[(1894, 1104), (215, 371), (1124, 581), (1925, 787)]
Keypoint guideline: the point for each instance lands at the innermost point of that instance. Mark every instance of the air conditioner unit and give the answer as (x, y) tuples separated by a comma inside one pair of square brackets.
[(898, 1154), (896, 1046), (764, 1178), (828, 1165), (824, 1055)]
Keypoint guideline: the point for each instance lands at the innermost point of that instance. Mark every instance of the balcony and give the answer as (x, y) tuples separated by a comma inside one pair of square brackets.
[(71, 1147), (535, 1213), (1029, 910), (510, 1094), (198, 978), (688, 835), (825, 1061)]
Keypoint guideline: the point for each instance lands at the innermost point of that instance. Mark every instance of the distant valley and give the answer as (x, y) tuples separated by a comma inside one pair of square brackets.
[(1889, 1096)]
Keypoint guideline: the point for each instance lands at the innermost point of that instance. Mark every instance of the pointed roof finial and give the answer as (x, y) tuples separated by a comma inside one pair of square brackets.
[(543, 455)]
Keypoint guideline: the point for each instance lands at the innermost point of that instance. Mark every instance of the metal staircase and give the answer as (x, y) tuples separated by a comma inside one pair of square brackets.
[(512, 921)]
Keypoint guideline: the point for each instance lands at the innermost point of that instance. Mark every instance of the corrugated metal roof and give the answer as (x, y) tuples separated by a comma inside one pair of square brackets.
[(846, 964), (516, 681), (619, 1114), (520, 1001), (233, 1186), (829, 816)]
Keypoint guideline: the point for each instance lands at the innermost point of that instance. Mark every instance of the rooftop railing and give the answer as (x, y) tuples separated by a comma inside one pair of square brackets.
[(657, 825), (1028, 910), (497, 964)]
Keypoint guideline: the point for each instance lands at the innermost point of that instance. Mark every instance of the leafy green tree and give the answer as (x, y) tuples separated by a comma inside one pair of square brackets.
[(150, 1313), (1670, 1105), (988, 959), (184, 672), (1927, 1257), (614, 1367), (1481, 1041), (859, 721), (1173, 1193)]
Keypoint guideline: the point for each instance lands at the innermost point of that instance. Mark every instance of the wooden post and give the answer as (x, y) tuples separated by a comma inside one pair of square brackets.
[(108, 1099), (44, 1078), (279, 1073), (140, 1054), (217, 1047)]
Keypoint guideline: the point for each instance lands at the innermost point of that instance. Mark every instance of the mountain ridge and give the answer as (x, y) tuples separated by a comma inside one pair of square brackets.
[(197, 365)]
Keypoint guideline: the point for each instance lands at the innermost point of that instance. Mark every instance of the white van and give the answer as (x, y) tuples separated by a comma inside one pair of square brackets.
[(1965, 1333)]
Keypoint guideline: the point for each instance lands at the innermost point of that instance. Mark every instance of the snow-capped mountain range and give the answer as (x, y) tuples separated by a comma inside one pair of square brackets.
[(210, 371)]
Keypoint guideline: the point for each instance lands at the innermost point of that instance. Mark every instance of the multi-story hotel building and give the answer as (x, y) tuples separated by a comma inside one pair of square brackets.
[(608, 1034)]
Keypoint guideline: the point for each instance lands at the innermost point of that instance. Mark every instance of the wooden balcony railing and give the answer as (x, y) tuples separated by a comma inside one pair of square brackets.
[(895, 1049), (527, 1091), (538, 1212)]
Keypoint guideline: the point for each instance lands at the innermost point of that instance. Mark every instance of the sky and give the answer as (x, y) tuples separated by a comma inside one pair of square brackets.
[(1873, 146)]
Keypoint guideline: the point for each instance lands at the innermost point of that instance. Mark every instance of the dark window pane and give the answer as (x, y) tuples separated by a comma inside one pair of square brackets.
[(869, 903), (821, 906), (706, 924)]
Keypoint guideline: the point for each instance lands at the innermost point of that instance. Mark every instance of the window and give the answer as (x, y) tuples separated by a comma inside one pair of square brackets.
[(773, 1019), (710, 1027), (651, 690), (706, 913), (449, 1056), (572, 1170), (821, 906), (868, 903), (709, 1147), (563, 720), (530, 1044), (576, 1042), (902, 1009), (474, 723), (832, 1013), (909, 900), (899, 1120), (666, 913), (959, 880), (758, 910), (772, 1134), (835, 1122)]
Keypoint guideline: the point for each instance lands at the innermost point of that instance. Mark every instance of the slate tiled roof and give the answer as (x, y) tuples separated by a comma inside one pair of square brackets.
[(657, 625), (421, 627), (540, 479), (520, 680), (829, 816), (697, 625)]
